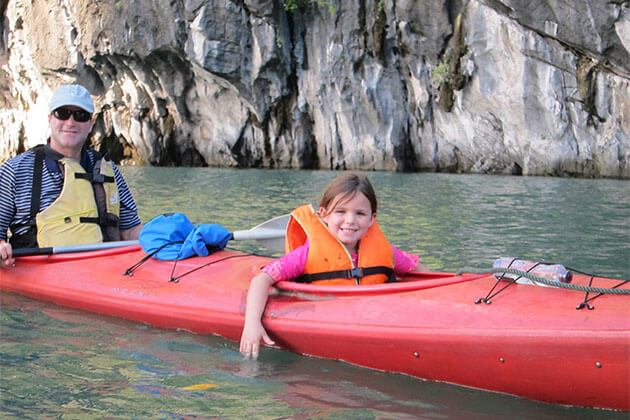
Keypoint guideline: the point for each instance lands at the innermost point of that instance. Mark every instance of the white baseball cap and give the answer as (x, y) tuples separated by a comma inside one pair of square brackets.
[(75, 95)]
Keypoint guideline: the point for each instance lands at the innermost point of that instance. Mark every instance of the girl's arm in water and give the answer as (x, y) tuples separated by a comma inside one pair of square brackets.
[(287, 267), (253, 330)]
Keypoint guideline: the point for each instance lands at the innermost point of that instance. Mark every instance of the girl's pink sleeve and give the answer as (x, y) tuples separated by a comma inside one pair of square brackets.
[(404, 262), (289, 266)]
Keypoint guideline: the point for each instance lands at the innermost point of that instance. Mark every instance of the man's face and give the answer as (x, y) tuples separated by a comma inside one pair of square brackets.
[(67, 136)]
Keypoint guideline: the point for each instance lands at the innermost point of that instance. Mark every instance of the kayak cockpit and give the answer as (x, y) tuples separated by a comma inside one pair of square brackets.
[(410, 282)]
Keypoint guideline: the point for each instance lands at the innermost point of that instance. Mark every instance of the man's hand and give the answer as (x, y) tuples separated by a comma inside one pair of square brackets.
[(6, 255)]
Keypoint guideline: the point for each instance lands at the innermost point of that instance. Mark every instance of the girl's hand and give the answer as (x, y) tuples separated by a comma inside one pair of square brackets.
[(253, 330), (250, 340)]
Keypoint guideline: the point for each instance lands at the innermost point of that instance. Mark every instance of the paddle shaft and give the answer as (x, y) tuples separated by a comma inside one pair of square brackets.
[(53, 250), (270, 233)]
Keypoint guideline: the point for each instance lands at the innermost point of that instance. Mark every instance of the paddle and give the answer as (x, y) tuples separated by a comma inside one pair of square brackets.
[(53, 250), (270, 234)]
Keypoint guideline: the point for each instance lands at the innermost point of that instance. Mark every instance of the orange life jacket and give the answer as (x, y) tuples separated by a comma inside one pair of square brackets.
[(329, 262)]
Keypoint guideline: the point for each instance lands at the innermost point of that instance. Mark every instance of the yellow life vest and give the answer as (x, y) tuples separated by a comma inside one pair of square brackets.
[(73, 218), (329, 262)]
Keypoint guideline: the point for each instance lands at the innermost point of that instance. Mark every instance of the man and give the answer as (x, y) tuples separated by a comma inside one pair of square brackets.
[(62, 193)]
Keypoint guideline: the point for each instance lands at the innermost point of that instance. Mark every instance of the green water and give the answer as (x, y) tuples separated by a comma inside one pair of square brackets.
[(61, 363), (452, 221)]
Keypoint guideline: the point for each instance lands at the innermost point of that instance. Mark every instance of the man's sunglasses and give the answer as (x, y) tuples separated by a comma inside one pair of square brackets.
[(78, 114)]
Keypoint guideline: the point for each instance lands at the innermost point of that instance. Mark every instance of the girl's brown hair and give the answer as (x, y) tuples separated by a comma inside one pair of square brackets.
[(348, 185)]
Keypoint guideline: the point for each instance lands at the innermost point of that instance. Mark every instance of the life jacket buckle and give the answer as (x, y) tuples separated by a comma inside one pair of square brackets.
[(356, 273), (99, 178)]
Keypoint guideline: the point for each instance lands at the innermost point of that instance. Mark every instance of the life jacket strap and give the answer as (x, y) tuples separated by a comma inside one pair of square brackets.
[(94, 177), (28, 239), (37, 182), (102, 222), (351, 273), (110, 223)]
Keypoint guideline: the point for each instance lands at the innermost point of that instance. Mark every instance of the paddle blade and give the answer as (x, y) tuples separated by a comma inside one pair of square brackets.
[(270, 233)]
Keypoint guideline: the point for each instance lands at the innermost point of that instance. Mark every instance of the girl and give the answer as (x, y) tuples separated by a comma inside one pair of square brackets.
[(340, 244)]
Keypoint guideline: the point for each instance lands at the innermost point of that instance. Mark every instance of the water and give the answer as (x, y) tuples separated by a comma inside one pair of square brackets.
[(452, 221), (62, 363)]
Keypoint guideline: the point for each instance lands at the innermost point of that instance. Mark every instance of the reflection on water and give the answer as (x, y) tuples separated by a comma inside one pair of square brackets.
[(62, 363)]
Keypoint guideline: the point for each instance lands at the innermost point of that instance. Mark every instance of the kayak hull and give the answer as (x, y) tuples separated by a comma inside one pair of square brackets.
[(531, 341)]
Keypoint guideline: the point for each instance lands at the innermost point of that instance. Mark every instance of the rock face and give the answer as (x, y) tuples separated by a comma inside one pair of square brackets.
[(533, 87)]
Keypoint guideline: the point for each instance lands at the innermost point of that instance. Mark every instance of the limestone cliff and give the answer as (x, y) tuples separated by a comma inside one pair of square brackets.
[(535, 87)]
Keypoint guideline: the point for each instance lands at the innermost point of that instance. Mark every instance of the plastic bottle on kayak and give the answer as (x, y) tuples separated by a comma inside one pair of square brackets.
[(555, 272)]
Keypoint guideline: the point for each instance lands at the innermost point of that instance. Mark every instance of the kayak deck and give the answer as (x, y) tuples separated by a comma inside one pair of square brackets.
[(531, 341)]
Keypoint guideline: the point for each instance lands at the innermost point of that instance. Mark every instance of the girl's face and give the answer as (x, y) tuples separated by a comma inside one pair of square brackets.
[(348, 220)]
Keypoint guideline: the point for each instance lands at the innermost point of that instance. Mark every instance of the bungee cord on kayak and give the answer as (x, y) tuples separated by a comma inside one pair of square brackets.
[(172, 237), (602, 290), (585, 303), (560, 277), (129, 271), (176, 279)]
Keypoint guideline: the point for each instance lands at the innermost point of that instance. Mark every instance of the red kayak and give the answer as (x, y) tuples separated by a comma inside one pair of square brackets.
[(531, 341)]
